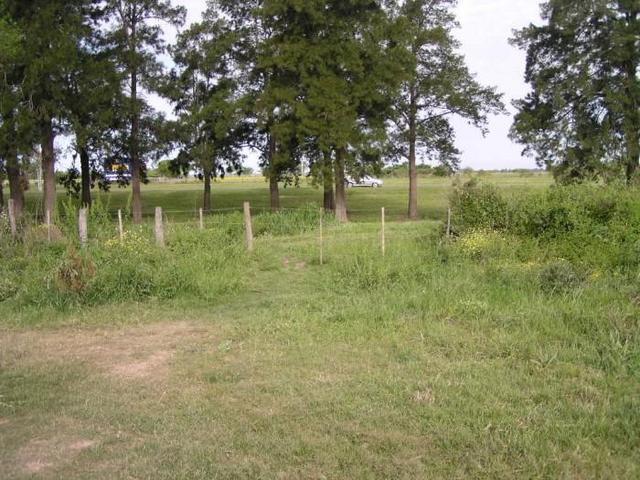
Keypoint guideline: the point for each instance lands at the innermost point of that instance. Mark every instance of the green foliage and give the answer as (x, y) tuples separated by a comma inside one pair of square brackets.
[(476, 205), (558, 277), (196, 264), (582, 118), (586, 224), (437, 85)]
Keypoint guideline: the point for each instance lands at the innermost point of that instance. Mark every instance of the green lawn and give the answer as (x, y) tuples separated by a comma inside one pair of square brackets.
[(421, 364)]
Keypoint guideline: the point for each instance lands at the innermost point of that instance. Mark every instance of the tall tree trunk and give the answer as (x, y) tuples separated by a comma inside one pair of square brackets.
[(136, 167), (413, 168), (633, 153), (632, 100), (16, 192), (274, 192), (1, 194), (274, 189), (341, 194), (327, 177), (136, 164), (48, 167), (206, 200), (85, 171)]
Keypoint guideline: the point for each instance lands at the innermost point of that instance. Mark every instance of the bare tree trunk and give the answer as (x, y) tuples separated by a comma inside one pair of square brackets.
[(16, 192), (1, 193), (413, 168), (274, 192), (327, 177), (633, 156), (206, 200), (136, 164), (632, 100), (48, 167), (85, 171), (274, 189), (341, 194)]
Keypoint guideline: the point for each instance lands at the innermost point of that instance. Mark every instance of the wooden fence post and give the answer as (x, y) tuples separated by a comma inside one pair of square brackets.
[(248, 228), (82, 226), (12, 218), (383, 234), (449, 222), (159, 228), (321, 236), (48, 220), (201, 220), (120, 228)]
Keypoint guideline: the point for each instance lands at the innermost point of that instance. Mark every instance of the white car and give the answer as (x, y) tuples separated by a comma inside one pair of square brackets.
[(365, 181)]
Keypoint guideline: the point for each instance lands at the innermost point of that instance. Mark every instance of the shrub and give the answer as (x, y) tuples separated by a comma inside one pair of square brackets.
[(8, 288), (558, 277), (477, 206), (74, 273)]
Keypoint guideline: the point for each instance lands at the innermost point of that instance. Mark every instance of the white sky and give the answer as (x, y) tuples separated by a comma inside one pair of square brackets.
[(486, 26)]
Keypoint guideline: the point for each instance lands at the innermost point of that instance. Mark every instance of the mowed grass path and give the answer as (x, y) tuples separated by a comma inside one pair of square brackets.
[(182, 201)]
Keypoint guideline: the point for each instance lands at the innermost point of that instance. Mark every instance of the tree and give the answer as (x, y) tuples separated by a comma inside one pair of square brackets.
[(31, 84), (9, 51), (137, 37), (340, 71), (438, 87), (270, 92), (206, 93), (48, 54), (92, 100), (582, 117)]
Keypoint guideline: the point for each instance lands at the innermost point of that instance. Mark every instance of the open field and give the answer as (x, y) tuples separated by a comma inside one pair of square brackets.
[(183, 200), (432, 362)]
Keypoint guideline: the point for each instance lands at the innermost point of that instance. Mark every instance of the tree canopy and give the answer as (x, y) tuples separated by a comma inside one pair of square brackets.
[(582, 118)]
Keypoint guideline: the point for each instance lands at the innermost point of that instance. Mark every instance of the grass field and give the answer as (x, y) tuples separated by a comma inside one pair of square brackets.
[(184, 200), (426, 363)]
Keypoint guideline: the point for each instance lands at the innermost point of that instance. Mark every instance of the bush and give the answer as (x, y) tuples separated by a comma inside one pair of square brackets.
[(477, 206), (596, 226), (558, 277), (75, 273)]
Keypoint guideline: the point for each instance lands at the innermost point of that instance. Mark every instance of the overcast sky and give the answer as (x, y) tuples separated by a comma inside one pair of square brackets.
[(486, 26)]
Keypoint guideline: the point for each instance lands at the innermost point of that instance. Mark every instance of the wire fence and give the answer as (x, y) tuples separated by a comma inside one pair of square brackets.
[(315, 228)]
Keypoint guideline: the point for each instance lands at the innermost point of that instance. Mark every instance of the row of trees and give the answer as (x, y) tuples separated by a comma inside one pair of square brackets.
[(340, 84), (343, 85)]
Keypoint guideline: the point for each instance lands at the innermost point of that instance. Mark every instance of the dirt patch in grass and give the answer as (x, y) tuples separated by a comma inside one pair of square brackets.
[(135, 353), (48, 453)]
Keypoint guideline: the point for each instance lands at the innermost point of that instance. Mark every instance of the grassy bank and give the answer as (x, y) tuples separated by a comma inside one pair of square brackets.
[(447, 358)]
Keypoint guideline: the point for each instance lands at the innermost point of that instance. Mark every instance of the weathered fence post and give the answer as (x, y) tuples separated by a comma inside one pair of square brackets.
[(321, 236), (248, 228), (449, 222), (120, 228), (48, 220), (201, 220), (383, 234), (12, 218), (159, 228), (82, 226)]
